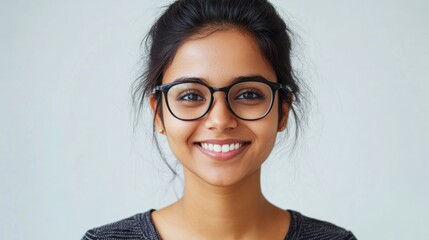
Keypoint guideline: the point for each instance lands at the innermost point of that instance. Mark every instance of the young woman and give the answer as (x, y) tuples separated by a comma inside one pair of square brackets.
[(220, 83)]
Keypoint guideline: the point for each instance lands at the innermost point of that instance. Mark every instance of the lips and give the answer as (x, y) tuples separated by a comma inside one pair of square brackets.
[(222, 150)]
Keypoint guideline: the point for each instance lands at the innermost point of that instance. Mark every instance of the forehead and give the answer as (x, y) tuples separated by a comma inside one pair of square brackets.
[(219, 58)]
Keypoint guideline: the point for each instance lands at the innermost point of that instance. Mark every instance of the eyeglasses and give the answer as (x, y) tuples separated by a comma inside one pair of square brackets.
[(249, 99)]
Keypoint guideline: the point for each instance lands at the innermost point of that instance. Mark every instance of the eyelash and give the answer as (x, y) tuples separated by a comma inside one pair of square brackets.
[(254, 92), (189, 93)]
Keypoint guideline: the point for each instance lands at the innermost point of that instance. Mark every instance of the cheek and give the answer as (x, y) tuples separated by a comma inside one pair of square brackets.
[(265, 133), (178, 133), (174, 127), (269, 124), (265, 130)]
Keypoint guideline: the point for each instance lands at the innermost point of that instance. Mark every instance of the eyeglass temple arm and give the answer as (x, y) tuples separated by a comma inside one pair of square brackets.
[(287, 88), (157, 88)]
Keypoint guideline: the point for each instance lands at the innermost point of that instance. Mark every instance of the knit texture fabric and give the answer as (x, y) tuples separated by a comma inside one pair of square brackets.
[(141, 227)]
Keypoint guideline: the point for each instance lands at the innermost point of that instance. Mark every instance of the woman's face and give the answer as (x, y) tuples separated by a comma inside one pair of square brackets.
[(218, 59)]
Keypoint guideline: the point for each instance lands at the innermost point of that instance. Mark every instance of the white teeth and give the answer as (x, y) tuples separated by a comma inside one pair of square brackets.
[(217, 148), (225, 148), (221, 148)]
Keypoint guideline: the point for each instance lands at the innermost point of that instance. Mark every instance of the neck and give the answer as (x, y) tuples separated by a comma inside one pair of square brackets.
[(219, 209)]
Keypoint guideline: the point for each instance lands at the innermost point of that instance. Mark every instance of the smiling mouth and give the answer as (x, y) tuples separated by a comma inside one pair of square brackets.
[(222, 148)]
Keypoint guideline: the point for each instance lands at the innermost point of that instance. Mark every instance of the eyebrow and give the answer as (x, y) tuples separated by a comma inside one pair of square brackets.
[(235, 80)]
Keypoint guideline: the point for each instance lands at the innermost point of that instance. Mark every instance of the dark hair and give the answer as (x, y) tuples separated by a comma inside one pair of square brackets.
[(185, 18)]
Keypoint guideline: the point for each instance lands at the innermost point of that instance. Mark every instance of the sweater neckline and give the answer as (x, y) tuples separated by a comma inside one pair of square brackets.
[(291, 234)]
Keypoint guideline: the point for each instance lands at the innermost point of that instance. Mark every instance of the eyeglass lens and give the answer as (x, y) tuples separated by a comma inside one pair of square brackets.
[(248, 100)]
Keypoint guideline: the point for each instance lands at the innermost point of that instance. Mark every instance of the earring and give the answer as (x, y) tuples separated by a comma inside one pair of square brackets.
[(162, 131), (282, 129)]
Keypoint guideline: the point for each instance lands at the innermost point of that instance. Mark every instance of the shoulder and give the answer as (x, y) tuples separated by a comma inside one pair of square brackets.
[(303, 227), (135, 227)]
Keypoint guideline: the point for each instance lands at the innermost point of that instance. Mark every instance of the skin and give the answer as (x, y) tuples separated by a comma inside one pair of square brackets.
[(222, 199)]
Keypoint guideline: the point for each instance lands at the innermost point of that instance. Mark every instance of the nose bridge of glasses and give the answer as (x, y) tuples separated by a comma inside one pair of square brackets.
[(222, 89), (219, 92)]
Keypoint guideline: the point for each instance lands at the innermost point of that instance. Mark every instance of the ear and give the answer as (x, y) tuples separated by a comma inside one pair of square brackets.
[(285, 116), (159, 124)]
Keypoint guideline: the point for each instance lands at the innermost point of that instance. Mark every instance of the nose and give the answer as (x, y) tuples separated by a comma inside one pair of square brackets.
[(219, 117)]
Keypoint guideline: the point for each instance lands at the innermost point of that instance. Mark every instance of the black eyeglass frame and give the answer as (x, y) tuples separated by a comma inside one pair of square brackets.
[(274, 87)]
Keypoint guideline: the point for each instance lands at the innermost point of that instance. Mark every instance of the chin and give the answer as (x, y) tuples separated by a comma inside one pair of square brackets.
[(222, 182), (223, 179)]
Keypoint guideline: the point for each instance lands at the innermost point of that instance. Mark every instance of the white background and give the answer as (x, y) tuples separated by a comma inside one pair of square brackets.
[(70, 161)]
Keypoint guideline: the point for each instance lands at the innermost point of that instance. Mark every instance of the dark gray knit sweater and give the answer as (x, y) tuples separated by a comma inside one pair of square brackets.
[(141, 227)]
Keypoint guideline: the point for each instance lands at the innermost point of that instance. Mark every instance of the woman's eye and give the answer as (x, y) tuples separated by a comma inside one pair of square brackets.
[(191, 97), (249, 96)]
